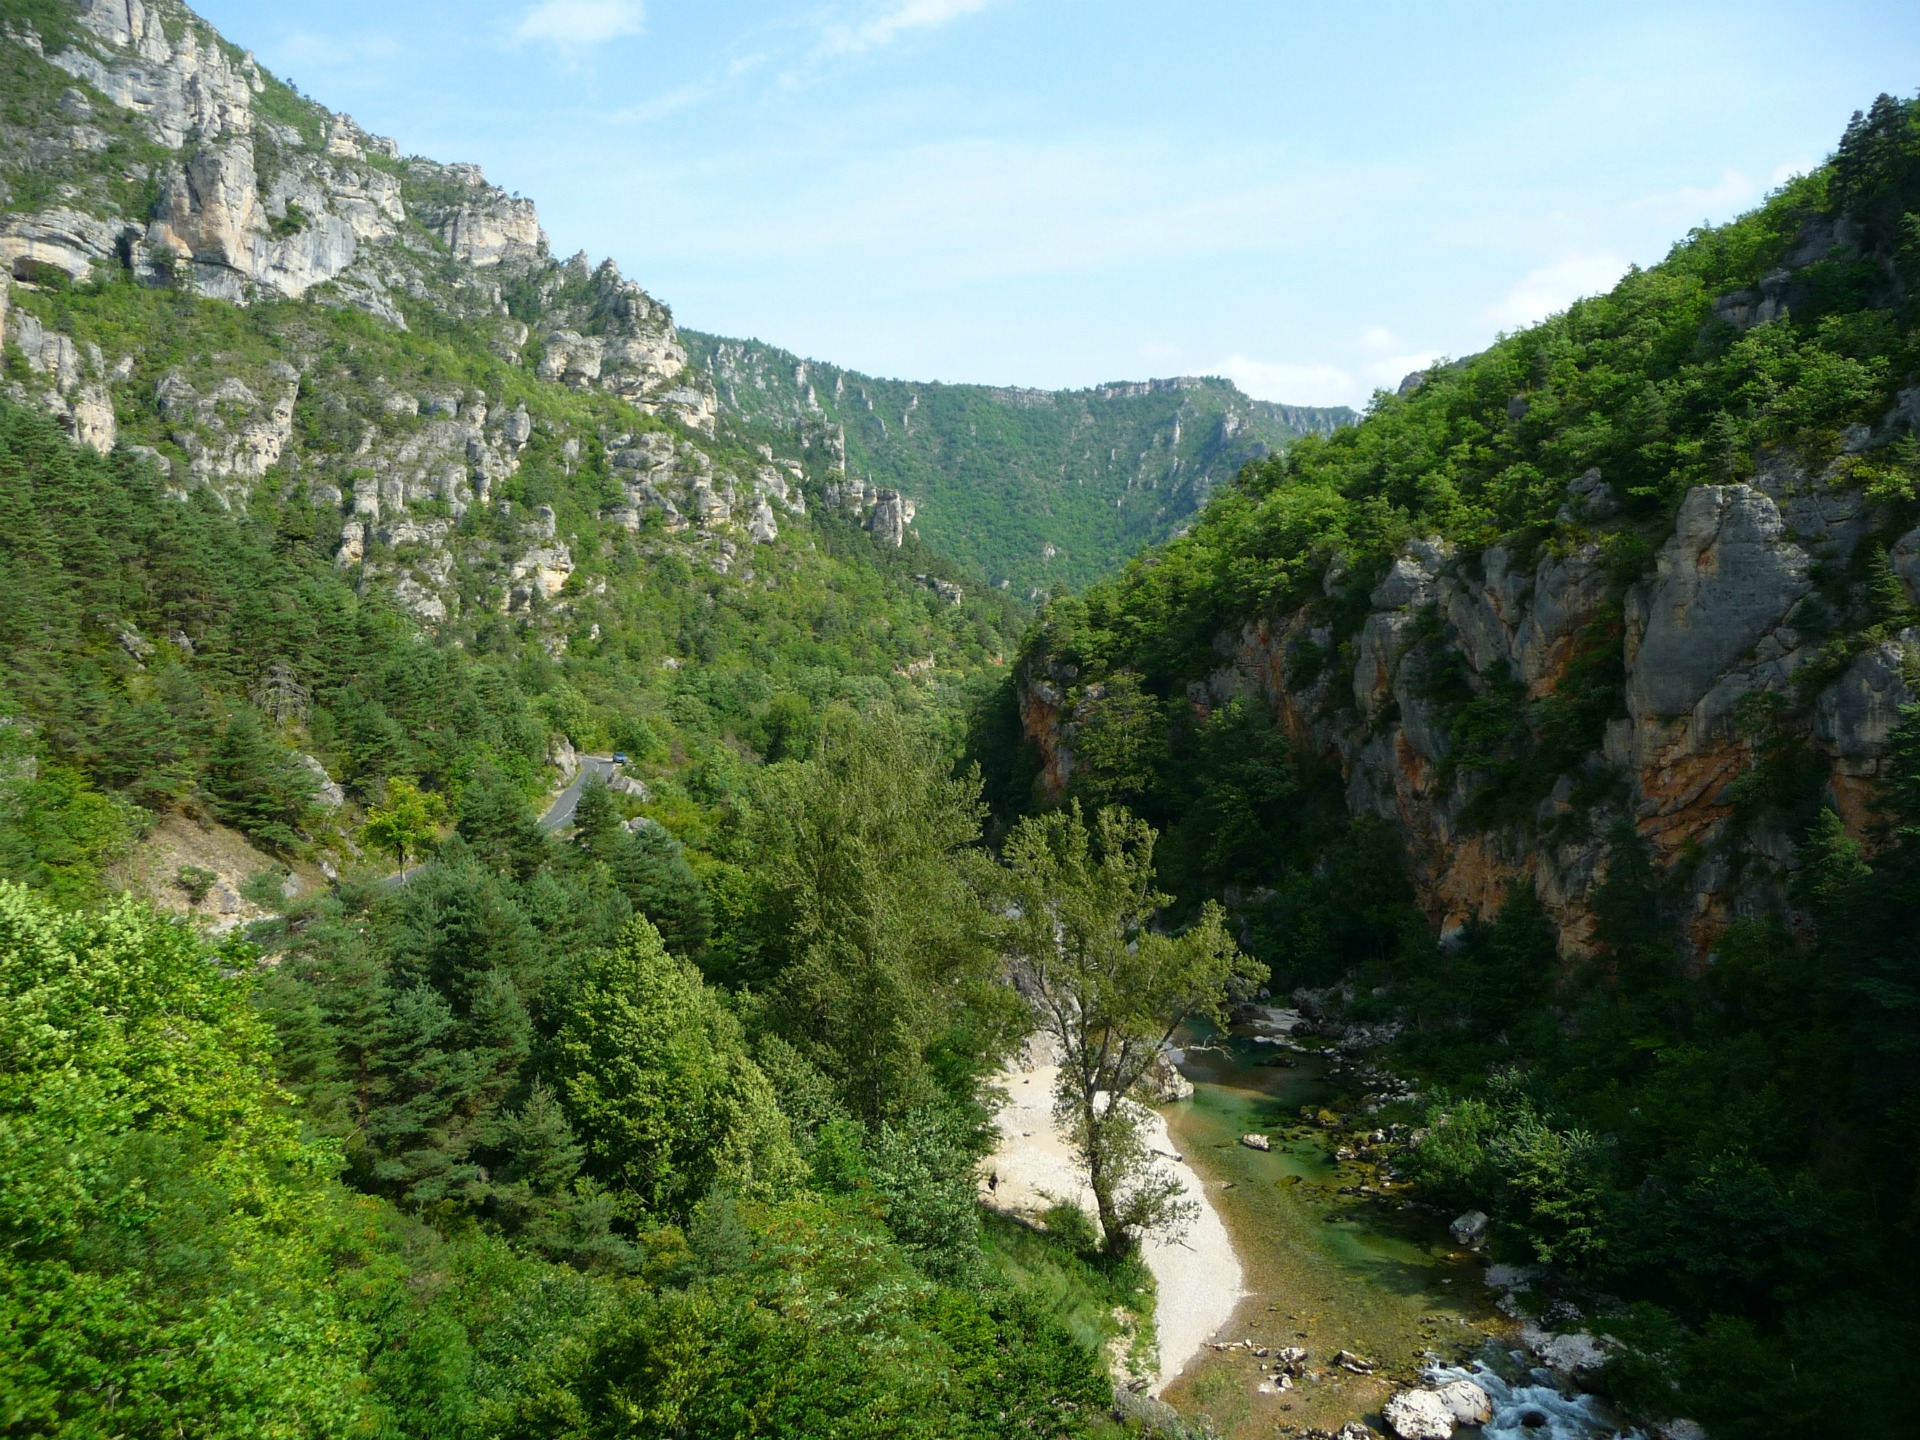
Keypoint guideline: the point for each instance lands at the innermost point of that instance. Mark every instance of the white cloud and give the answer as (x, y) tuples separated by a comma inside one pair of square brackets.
[(895, 21), (685, 97), (1314, 383), (1540, 293), (573, 26), (873, 27)]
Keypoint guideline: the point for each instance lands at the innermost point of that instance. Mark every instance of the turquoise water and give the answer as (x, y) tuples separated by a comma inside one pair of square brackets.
[(1325, 1271), (1331, 1272)]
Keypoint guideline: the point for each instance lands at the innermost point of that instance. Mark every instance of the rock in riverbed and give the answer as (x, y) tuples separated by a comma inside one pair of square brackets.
[(1466, 1402), (1256, 1142), (1470, 1228), (1419, 1415)]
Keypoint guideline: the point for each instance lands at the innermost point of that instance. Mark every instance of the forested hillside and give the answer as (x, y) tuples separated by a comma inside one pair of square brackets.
[(337, 520), (1561, 714), (1042, 491)]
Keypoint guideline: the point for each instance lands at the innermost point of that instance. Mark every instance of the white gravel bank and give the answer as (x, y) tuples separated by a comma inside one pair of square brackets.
[(1199, 1276)]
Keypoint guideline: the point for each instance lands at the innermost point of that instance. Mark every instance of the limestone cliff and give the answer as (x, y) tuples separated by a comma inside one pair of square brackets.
[(185, 170), (1699, 654), (1719, 621), (241, 190)]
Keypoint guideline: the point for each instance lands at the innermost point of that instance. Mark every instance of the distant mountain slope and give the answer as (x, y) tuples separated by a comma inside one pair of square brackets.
[(266, 321), (1041, 489)]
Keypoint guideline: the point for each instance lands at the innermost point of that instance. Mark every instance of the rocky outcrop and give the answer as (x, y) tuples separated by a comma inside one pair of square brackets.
[(479, 223), (70, 382), (543, 568), (231, 432), (1725, 620), (675, 485), (605, 333), (158, 61), (1712, 623), (949, 592), (251, 206), (326, 790), (887, 514), (59, 238)]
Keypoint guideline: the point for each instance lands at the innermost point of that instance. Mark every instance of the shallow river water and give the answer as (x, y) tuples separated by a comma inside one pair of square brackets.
[(1329, 1272)]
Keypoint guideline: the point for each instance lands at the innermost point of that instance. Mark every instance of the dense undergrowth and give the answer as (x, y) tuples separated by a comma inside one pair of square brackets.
[(1723, 1158)]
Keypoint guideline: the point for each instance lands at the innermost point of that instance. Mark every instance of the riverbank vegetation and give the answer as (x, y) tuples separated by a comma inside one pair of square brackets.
[(1109, 988)]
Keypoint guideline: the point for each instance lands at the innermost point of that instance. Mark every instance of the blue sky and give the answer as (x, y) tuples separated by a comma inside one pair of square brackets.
[(1312, 199)]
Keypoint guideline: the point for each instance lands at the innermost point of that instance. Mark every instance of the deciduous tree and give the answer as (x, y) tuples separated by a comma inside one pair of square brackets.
[(1110, 990)]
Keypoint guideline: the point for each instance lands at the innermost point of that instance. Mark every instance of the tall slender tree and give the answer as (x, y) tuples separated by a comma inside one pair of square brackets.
[(1111, 990)]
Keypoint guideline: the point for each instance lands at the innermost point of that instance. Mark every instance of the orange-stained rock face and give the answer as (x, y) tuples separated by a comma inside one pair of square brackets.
[(1042, 707), (1711, 625)]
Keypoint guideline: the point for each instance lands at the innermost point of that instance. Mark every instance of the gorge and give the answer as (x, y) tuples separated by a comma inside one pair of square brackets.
[(1548, 737)]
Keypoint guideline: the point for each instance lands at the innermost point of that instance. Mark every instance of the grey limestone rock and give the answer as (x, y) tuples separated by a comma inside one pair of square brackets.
[(762, 529), (892, 514), (231, 434), (326, 789), (1590, 498), (182, 84), (1568, 590), (484, 226), (73, 378), (1470, 1228), (1905, 558), (60, 237), (1726, 581), (1821, 512), (1857, 713), (1466, 1402), (1409, 581), (1419, 1415)]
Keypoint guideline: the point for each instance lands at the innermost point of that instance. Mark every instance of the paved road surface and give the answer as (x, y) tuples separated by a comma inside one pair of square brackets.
[(560, 814)]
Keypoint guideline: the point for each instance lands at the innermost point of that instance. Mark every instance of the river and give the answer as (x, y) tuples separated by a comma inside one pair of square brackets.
[(1329, 1272)]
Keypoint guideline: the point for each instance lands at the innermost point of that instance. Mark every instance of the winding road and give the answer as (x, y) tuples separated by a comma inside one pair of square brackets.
[(560, 814)]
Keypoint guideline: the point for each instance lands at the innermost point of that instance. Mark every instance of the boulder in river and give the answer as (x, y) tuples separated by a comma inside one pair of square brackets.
[(1466, 1402), (1470, 1228), (1575, 1354), (1419, 1415), (1163, 1083), (1256, 1142)]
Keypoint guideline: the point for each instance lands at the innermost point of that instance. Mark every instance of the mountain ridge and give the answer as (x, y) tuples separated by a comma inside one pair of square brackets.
[(1009, 479)]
